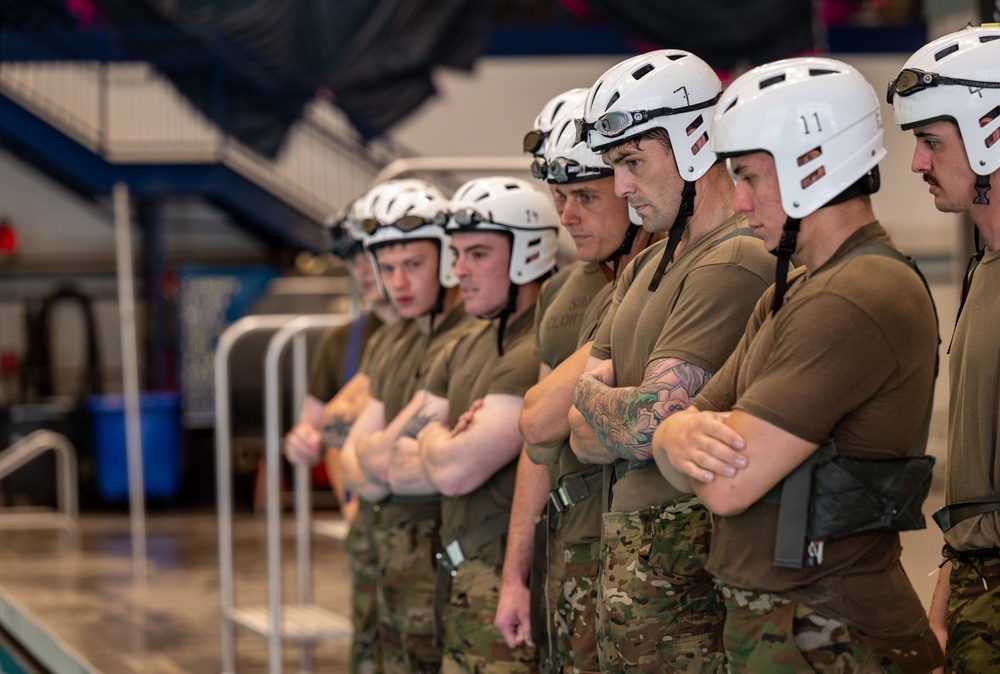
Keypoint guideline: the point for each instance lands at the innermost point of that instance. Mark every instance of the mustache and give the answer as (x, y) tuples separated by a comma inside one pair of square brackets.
[(929, 180)]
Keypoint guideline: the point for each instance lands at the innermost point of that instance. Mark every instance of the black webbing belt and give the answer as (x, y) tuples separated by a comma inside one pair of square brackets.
[(575, 490)]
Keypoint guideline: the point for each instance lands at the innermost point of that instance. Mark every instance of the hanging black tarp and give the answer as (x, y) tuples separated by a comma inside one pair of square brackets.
[(251, 65), (722, 32)]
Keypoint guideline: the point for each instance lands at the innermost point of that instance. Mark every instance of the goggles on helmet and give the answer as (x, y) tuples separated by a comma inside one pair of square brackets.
[(616, 122), (562, 170), (340, 242), (539, 168), (468, 218), (405, 224), (911, 80), (533, 140)]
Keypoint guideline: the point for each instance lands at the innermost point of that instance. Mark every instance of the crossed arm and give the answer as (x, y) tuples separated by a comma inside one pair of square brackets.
[(406, 473), (732, 459), (458, 462), (544, 419), (357, 481), (608, 422)]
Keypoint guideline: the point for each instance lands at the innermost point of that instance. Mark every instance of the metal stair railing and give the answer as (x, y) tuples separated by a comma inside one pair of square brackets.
[(128, 113), (302, 622), (66, 515)]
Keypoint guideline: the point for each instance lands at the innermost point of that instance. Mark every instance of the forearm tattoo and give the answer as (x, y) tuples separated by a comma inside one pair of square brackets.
[(416, 423), (336, 430), (624, 419)]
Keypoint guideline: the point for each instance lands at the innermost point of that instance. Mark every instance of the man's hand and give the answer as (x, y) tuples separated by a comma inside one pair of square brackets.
[(467, 417), (349, 510), (513, 617), (604, 373), (699, 445), (302, 444)]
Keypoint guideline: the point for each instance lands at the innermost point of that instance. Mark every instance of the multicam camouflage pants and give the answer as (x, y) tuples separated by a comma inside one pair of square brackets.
[(658, 609), (472, 645), (574, 613), (366, 655), (767, 633), (974, 616), (406, 575)]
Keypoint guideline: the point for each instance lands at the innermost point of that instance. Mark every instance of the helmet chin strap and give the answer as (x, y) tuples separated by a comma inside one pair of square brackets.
[(505, 314), (684, 212), (623, 249), (982, 189), (784, 251)]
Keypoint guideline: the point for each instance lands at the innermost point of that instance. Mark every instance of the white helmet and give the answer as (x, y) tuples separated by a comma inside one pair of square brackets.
[(568, 160), (796, 106), (408, 210), (669, 89), (517, 207), (955, 77), (535, 140)]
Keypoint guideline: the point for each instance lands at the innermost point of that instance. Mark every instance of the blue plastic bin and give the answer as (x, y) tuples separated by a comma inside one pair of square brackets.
[(160, 425)]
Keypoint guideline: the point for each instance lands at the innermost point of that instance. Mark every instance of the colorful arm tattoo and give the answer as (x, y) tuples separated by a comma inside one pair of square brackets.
[(624, 419)]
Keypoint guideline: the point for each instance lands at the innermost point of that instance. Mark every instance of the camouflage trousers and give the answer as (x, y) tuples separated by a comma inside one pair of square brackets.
[(767, 633), (472, 645), (574, 611), (366, 654), (406, 575), (658, 609), (974, 616)]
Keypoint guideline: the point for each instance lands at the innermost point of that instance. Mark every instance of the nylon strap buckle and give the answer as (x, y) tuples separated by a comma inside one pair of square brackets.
[(452, 557)]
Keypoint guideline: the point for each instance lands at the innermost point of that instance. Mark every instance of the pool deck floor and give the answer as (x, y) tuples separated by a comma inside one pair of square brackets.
[(94, 607)]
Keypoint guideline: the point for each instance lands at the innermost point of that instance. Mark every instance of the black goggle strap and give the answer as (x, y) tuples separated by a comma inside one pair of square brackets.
[(921, 80), (674, 236), (784, 251), (505, 314), (982, 189)]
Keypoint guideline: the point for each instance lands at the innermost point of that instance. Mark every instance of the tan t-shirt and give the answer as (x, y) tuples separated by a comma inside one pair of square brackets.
[(974, 408), (849, 355), (697, 314), (582, 522), (560, 309), (406, 362), (470, 368), (327, 371)]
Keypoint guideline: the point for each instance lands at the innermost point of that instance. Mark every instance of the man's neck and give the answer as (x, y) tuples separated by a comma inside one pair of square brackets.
[(825, 231), (527, 295), (452, 298), (712, 206)]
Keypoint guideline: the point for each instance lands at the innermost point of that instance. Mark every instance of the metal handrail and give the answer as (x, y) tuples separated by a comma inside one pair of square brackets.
[(287, 329), (67, 515)]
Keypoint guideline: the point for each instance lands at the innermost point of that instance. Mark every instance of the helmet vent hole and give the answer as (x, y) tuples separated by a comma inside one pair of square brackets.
[(642, 72), (815, 175), (695, 125), (676, 57), (512, 186), (813, 72), (614, 99), (988, 38), (770, 81), (699, 144), (731, 105), (951, 49), (534, 256)]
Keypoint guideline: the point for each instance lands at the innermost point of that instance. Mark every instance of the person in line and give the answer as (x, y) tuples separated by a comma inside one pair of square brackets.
[(948, 94), (829, 390), (677, 313)]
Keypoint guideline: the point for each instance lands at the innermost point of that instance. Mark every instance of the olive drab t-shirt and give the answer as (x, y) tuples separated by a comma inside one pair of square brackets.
[(697, 314), (560, 310), (582, 523), (326, 375), (561, 313), (470, 368), (404, 364), (850, 354), (974, 408)]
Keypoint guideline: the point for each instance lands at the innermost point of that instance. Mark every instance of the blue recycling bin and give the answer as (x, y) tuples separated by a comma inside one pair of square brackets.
[(160, 422)]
